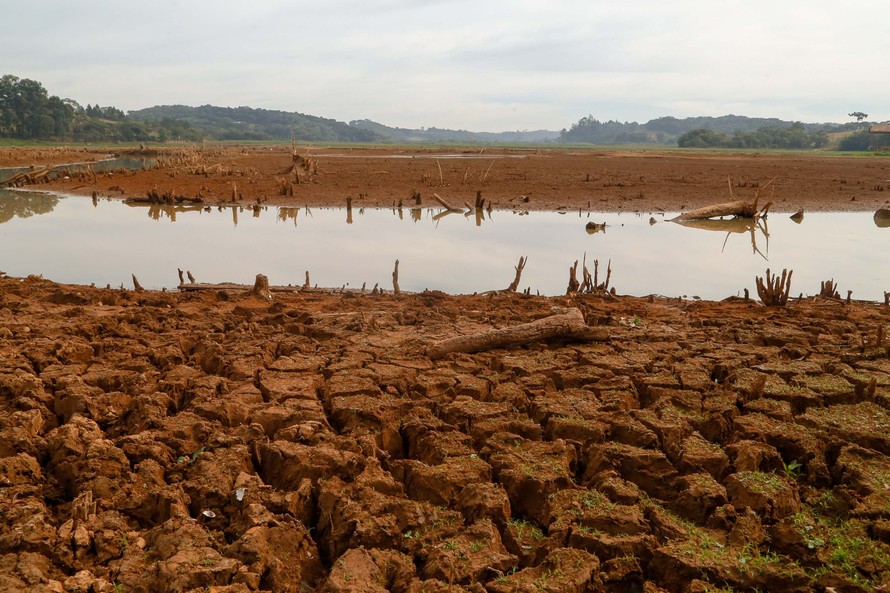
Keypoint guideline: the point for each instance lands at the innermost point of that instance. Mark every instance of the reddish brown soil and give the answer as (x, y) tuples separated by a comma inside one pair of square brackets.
[(16, 156), (217, 441), (223, 442), (538, 179)]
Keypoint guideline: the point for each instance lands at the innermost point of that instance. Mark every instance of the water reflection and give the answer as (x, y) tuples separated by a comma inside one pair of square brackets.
[(24, 204), (731, 226), (462, 251)]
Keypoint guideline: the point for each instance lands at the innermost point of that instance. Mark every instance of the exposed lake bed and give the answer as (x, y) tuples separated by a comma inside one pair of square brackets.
[(660, 438)]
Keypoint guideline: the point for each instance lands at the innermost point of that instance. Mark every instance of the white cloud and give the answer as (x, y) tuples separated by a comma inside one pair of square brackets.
[(501, 64)]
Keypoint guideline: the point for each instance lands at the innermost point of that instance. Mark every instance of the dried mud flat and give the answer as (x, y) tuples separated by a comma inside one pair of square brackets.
[(519, 179), (225, 442), (219, 441)]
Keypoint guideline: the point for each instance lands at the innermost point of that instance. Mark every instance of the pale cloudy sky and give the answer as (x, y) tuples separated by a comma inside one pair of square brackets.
[(481, 65)]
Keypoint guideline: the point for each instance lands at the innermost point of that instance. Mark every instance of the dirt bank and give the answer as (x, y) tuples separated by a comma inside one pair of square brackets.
[(605, 181), (225, 442)]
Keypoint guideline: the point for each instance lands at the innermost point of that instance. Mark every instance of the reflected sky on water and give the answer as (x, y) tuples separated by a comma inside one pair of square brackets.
[(74, 240)]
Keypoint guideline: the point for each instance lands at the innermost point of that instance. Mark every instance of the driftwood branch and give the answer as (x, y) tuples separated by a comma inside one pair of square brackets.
[(740, 208), (737, 208), (568, 326)]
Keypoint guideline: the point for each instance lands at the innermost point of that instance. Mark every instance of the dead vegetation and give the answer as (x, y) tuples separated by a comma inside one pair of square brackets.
[(775, 290)]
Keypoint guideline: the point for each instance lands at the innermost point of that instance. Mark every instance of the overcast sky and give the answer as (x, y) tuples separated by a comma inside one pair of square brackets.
[(481, 65)]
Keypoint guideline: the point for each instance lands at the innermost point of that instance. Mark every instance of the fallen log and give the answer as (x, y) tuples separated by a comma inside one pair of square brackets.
[(739, 208), (568, 326)]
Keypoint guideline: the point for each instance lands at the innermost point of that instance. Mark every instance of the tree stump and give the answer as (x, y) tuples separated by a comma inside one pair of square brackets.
[(261, 287)]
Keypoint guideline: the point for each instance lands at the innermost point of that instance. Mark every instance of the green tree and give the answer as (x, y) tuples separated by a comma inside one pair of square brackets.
[(702, 138)]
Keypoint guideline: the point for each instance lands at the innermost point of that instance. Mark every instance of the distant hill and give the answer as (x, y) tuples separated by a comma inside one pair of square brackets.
[(666, 130), (434, 135), (246, 123)]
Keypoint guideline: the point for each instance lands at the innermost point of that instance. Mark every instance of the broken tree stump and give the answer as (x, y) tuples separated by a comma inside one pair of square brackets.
[(574, 285), (569, 326), (774, 292), (395, 279), (136, 286), (261, 287), (518, 267), (828, 288)]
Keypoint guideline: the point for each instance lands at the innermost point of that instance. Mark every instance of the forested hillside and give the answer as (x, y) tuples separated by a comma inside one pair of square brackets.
[(29, 112), (245, 123), (729, 131)]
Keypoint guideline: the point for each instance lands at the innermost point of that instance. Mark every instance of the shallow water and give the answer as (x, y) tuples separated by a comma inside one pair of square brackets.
[(109, 164), (73, 240)]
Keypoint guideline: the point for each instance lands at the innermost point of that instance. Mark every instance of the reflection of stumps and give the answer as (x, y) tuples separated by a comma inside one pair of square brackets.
[(261, 287), (395, 279), (136, 285), (348, 210), (416, 197)]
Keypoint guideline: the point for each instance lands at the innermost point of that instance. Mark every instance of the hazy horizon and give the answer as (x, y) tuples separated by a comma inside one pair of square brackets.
[(454, 64)]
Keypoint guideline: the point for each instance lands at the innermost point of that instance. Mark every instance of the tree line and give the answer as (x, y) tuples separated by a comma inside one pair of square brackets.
[(29, 112), (796, 136), (728, 131)]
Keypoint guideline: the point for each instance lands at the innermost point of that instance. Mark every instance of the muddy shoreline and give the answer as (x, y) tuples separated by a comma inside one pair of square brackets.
[(551, 179), (221, 440)]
